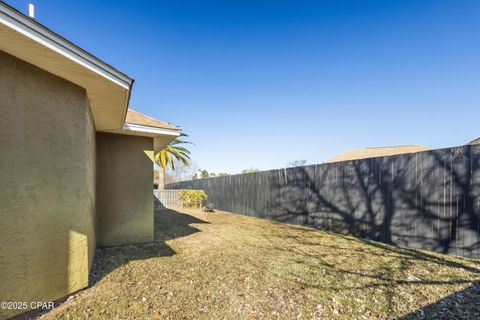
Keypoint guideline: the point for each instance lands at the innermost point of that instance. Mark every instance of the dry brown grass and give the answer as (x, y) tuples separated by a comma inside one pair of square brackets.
[(226, 266)]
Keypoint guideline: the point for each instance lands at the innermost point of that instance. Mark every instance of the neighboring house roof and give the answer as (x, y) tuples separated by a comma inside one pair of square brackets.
[(134, 117), (476, 141), (376, 152), (108, 89)]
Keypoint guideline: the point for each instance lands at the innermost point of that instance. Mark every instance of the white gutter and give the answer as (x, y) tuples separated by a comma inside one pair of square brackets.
[(152, 130)]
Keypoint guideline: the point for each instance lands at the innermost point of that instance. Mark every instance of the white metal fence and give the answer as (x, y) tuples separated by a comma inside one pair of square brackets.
[(165, 198)]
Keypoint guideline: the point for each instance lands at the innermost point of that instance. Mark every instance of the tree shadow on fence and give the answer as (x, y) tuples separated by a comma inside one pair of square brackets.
[(168, 225), (428, 200)]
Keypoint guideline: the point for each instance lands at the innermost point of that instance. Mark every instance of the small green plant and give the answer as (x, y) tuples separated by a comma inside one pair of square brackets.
[(191, 198), (251, 170)]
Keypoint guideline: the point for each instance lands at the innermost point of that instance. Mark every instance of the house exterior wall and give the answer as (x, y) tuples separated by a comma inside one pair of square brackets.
[(47, 185), (124, 189), (90, 183)]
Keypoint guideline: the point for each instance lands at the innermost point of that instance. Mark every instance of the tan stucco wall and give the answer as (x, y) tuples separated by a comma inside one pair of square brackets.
[(90, 183), (124, 189), (47, 185)]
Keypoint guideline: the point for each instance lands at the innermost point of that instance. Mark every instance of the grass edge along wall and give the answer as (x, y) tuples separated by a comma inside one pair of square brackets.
[(427, 200)]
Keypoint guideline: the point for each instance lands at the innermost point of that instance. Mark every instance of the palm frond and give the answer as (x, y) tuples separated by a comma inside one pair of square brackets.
[(174, 151), (178, 141), (182, 149)]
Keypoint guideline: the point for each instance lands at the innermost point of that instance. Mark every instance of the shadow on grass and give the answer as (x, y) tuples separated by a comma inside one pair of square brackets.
[(387, 276), (460, 305), (409, 253), (168, 225)]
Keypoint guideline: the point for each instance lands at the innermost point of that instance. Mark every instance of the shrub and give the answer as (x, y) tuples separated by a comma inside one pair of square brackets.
[(191, 198)]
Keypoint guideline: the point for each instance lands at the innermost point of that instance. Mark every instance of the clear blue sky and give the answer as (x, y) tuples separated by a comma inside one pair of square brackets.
[(259, 84)]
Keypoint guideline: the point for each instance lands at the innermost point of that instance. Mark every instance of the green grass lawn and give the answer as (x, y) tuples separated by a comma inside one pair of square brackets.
[(227, 266)]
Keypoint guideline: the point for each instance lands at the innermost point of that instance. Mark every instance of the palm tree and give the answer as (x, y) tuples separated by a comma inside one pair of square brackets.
[(172, 151)]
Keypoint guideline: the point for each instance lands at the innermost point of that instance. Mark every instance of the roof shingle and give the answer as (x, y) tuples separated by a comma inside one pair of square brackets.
[(134, 117)]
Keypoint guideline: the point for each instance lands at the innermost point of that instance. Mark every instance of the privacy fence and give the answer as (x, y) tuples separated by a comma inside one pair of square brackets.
[(427, 200)]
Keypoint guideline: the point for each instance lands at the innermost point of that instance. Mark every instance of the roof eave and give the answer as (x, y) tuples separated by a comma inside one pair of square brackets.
[(151, 130), (161, 136), (32, 29), (30, 41)]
